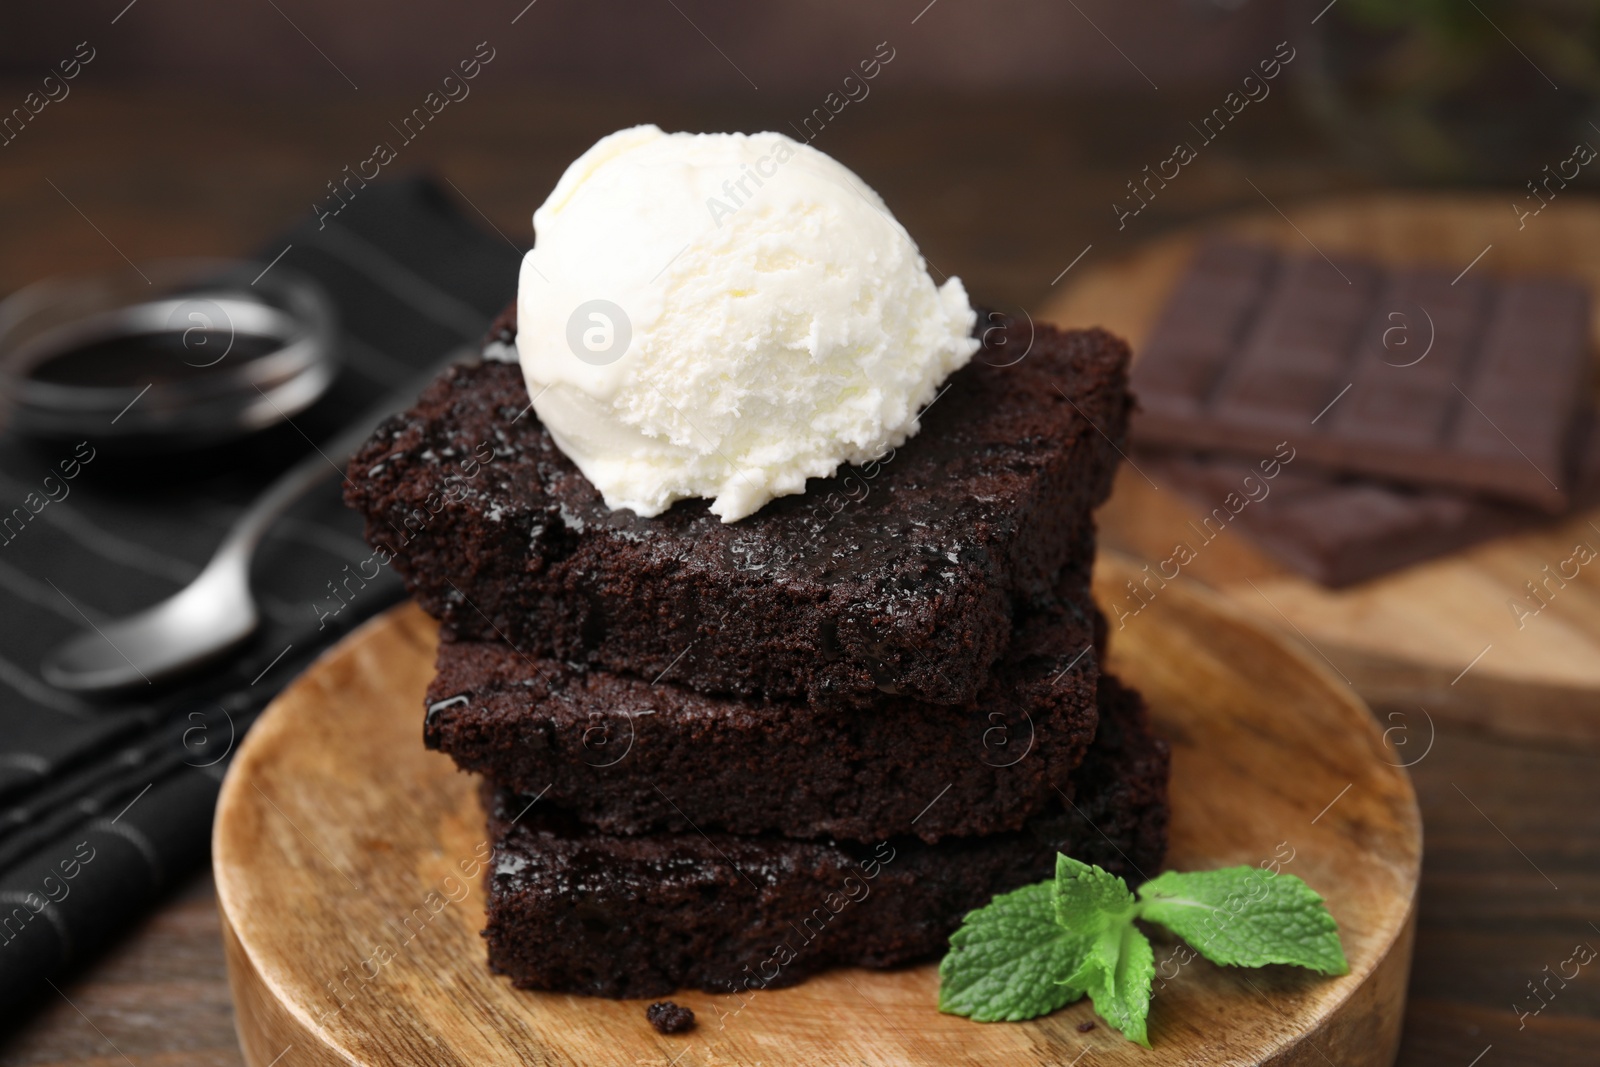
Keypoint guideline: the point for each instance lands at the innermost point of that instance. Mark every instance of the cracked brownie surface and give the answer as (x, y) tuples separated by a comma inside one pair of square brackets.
[(901, 577)]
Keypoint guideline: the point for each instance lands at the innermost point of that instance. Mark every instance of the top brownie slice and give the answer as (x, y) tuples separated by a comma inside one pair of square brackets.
[(901, 576)]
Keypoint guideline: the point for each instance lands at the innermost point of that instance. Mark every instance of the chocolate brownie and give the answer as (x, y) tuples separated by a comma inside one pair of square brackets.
[(575, 910), (629, 757), (901, 577)]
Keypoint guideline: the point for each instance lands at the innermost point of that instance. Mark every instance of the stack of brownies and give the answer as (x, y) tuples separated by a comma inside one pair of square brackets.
[(729, 755)]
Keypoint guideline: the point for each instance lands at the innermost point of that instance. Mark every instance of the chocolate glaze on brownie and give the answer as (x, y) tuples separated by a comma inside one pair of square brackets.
[(901, 577), (574, 910), (629, 757)]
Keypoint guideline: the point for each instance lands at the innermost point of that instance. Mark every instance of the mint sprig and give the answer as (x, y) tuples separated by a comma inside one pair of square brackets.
[(1036, 949)]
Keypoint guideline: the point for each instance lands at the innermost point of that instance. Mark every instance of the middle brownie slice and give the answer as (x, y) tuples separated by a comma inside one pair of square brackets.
[(631, 757)]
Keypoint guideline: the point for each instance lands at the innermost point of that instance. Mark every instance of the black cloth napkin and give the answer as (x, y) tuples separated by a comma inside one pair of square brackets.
[(104, 804)]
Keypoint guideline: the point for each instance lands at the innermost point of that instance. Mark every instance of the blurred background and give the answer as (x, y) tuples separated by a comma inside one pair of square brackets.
[(1000, 133), (1010, 137)]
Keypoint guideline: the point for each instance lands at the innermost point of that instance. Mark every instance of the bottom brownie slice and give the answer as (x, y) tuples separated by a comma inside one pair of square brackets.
[(574, 910)]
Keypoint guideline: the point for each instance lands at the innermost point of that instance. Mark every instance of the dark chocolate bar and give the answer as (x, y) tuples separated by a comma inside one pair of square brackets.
[(1405, 374), (1343, 530)]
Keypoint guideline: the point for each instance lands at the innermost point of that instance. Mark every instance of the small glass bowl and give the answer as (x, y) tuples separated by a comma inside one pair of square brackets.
[(206, 351)]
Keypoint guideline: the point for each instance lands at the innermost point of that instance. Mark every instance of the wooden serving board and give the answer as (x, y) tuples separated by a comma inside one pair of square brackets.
[(1440, 636), (336, 827)]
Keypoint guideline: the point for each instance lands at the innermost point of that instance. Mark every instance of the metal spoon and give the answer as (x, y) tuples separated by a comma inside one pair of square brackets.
[(217, 610)]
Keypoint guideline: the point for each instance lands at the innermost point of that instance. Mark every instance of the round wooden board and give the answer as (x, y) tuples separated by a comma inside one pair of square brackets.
[(1408, 637), (335, 826)]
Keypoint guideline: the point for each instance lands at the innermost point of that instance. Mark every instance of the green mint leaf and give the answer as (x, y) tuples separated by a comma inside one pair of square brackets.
[(1117, 972), (1007, 961), (1246, 917), (1118, 966), (1088, 898)]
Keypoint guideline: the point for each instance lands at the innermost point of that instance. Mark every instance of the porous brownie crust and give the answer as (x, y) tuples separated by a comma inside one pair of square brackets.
[(574, 910), (900, 577), (629, 757)]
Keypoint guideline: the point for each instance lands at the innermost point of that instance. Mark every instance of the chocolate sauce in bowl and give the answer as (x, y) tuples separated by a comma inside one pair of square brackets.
[(137, 360), (209, 352)]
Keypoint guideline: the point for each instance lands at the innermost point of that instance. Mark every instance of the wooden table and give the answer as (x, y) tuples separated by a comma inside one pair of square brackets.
[(1005, 192)]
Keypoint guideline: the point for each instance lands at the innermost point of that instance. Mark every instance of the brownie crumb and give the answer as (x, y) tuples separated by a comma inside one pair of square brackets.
[(1085, 1026), (668, 1017)]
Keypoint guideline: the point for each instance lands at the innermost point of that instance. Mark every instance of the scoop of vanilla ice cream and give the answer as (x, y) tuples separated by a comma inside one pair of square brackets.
[(725, 316)]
